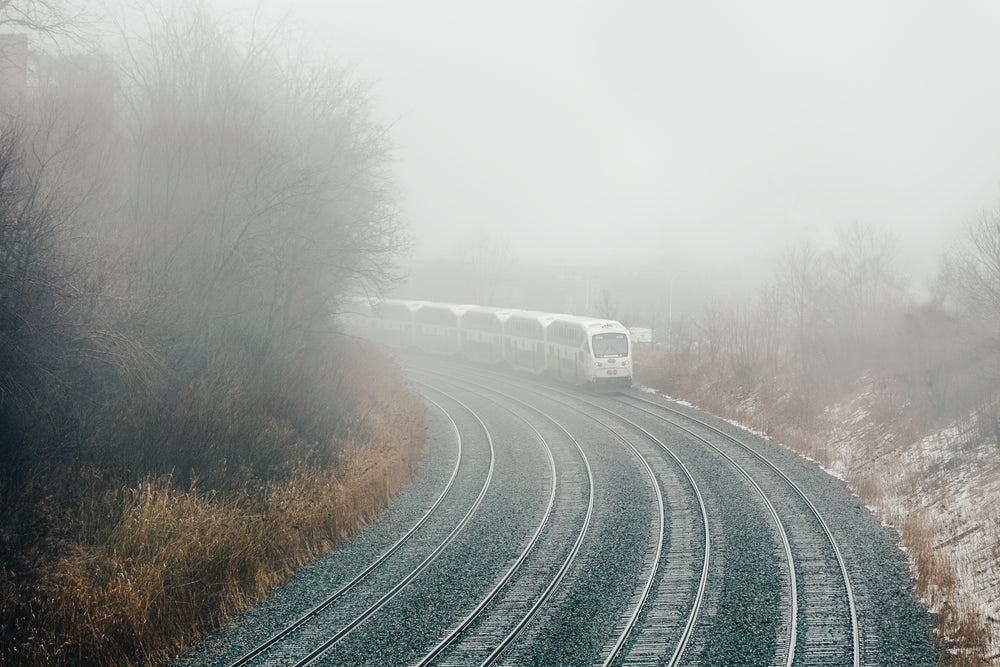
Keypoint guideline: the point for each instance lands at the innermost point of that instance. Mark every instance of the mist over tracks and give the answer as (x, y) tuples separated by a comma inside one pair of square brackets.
[(620, 529)]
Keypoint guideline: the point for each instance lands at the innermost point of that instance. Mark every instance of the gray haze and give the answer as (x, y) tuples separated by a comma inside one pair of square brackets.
[(679, 133)]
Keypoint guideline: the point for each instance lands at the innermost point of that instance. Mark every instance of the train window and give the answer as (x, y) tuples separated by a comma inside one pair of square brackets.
[(610, 345)]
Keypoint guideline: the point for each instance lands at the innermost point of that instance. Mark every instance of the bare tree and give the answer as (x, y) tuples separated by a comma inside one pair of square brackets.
[(257, 191), (804, 280), (50, 17), (744, 342), (487, 256), (605, 304), (973, 274), (712, 329), (864, 293)]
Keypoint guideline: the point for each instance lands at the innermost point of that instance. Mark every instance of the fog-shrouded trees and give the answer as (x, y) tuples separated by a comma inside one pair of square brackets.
[(189, 209), (180, 213), (972, 274), (968, 313), (254, 179), (820, 324), (44, 17), (835, 319)]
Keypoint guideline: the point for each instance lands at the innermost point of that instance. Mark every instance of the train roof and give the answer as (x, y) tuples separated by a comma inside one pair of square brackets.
[(407, 303), (537, 316), (456, 308), (591, 324), (496, 310), (500, 314)]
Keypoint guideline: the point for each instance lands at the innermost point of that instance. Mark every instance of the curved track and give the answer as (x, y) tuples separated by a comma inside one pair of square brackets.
[(291, 627), (829, 599), (496, 637), (579, 529), (827, 593)]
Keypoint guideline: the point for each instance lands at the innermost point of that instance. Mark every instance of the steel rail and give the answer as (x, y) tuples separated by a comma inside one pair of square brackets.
[(274, 639), (703, 580), (447, 641), (789, 558), (826, 528), (616, 649), (792, 485), (326, 645), (543, 598)]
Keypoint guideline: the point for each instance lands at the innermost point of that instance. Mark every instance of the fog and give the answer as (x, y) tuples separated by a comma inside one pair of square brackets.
[(707, 136)]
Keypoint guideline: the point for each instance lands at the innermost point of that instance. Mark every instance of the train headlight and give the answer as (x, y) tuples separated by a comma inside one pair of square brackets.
[(625, 363), (597, 364)]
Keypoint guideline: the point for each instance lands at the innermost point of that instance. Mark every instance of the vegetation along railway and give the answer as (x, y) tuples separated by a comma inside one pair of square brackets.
[(553, 526)]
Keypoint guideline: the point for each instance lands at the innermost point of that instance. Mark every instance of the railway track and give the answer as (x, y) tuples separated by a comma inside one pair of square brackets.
[(829, 632), (526, 589), (301, 620), (671, 617), (602, 530), (309, 636)]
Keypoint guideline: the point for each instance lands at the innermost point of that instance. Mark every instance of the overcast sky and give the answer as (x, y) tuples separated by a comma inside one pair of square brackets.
[(679, 132)]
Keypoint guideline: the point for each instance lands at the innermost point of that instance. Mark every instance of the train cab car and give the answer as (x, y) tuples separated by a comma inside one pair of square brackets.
[(436, 327), (610, 354), (524, 340), (589, 351), (481, 333), (392, 322)]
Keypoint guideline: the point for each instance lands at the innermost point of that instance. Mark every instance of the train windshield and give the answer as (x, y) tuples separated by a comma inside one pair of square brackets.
[(610, 345)]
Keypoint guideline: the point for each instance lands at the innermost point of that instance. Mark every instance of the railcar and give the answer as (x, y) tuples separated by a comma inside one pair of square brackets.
[(393, 322), (605, 360), (569, 348), (524, 340), (436, 327), (481, 331)]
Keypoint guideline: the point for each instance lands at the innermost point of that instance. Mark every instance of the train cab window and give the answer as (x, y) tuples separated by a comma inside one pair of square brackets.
[(610, 345)]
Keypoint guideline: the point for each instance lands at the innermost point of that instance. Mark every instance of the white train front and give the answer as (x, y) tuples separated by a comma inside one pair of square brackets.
[(578, 350)]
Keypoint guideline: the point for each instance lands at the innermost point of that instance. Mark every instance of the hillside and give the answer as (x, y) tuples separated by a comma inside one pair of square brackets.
[(939, 488)]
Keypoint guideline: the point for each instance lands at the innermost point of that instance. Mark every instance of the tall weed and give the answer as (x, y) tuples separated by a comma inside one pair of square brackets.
[(136, 572)]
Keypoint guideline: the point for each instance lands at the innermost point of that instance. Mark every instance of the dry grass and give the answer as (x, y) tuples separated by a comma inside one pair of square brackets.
[(141, 572)]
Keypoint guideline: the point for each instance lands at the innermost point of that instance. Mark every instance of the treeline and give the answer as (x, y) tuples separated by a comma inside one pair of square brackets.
[(178, 219), (830, 321)]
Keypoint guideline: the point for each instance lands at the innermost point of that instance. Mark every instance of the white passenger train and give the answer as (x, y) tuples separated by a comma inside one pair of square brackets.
[(578, 350)]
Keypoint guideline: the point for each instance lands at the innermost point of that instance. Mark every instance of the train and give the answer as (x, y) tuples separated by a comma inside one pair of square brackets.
[(583, 351)]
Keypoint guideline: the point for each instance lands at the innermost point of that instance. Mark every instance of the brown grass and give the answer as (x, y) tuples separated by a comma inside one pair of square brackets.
[(141, 572)]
